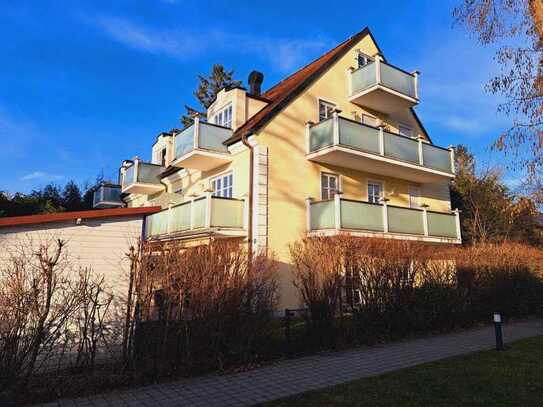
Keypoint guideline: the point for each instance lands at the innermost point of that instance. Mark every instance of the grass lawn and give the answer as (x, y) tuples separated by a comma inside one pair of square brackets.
[(490, 378)]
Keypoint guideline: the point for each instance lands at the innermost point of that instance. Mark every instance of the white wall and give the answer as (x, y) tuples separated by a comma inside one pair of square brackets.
[(100, 244)]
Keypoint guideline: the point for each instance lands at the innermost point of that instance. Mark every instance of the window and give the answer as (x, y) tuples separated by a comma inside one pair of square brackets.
[(224, 117), (325, 110), (375, 192), (222, 186), (363, 59), (329, 185), (414, 197), (405, 130), (369, 120), (162, 157)]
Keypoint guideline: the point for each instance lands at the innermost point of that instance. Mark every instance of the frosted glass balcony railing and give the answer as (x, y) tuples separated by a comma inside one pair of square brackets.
[(199, 214), (141, 177), (107, 196), (339, 131), (381, 73), (350, 215), (201, 135)]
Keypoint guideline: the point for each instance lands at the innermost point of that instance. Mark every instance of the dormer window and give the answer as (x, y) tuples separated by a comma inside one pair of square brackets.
[(224, 117)]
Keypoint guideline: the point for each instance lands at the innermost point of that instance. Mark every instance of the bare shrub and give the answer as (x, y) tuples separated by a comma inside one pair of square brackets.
[(391, 288), (212, 303), (51, 316)]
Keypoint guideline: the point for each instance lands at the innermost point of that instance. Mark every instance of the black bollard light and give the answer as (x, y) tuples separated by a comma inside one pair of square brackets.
[(498, 330)]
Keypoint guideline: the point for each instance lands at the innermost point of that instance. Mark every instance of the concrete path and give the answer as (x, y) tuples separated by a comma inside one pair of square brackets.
[(289, 377)]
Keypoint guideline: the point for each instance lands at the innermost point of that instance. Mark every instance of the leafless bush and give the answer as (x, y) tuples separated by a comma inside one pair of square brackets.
[(211, 302), (394, 287), (51, 316)]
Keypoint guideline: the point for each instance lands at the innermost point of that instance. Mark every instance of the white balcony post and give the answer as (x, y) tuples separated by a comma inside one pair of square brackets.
[(416, 83), (169, 219), (335, 126), (196, 131), (349, 73), (308, 126), (136, 170), (245, 213), (385, 215), (378, 69), (421, 152), (381, 139), (453, 167), (208, 209), (308, 201), (457, 223), (191, 211), (425, 219), (337, 210)]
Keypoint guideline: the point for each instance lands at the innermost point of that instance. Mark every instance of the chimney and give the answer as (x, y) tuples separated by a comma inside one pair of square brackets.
[(255, 81)]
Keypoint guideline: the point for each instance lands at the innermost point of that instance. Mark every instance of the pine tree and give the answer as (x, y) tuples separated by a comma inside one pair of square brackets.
[(208, 88)]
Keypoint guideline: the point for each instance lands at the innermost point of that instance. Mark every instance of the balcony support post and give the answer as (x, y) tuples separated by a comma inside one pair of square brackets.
[(208, 209), (191, 211), (425, 219), (378, 69), (453, 167), (416, 83), (385, 215), (136, 169), (350, 71), (335, 125), (337, 211), (421, 152), (196, 131), (245, 213), (169, 219), (381, 139), (308, 137), (457, 223), (308, 202)]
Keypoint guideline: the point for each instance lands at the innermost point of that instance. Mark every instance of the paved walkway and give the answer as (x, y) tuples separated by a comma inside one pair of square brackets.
[(289, 377)]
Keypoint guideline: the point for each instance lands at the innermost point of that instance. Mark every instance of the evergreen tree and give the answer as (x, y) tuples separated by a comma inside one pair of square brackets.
[(71, 197), (207, 90)]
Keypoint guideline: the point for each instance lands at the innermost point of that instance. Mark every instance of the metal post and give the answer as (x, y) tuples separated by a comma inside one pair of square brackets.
[(498, 331), (337, 210), (308, 212), (287, 331), (335, 124), (453, 167), (385, 215), (421, 152), (381, 140)]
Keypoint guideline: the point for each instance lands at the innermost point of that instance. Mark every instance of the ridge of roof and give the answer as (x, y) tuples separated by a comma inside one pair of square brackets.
[(287, 89), (64, 216)]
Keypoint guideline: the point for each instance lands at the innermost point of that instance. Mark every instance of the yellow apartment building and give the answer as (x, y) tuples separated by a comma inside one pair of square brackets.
[(336, 147)]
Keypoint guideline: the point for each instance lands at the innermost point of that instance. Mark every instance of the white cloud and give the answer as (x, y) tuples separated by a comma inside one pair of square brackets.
[(283, 53), (41, 176)]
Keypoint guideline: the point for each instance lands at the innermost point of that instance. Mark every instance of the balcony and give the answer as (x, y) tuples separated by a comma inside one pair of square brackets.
[(383, 87), (202, 216), (201, 147), (346, 143), (141, 178), (107, 196), (382, 220)]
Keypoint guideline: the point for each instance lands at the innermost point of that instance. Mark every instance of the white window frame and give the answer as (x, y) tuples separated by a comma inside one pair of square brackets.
[(367, 58), (406, 126), (330, 175), (375, 182), (220, 191), (220, 118), (414, 205), (325, 102)]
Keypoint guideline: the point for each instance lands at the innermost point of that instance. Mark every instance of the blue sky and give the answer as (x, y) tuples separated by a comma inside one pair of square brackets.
[(84, 85)]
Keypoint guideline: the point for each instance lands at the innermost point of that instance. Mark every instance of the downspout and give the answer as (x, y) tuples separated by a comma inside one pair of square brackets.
[(251, 176)]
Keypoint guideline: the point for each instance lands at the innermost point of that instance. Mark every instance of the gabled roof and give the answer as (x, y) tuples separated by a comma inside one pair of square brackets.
[(285, 91), (65, 216)]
